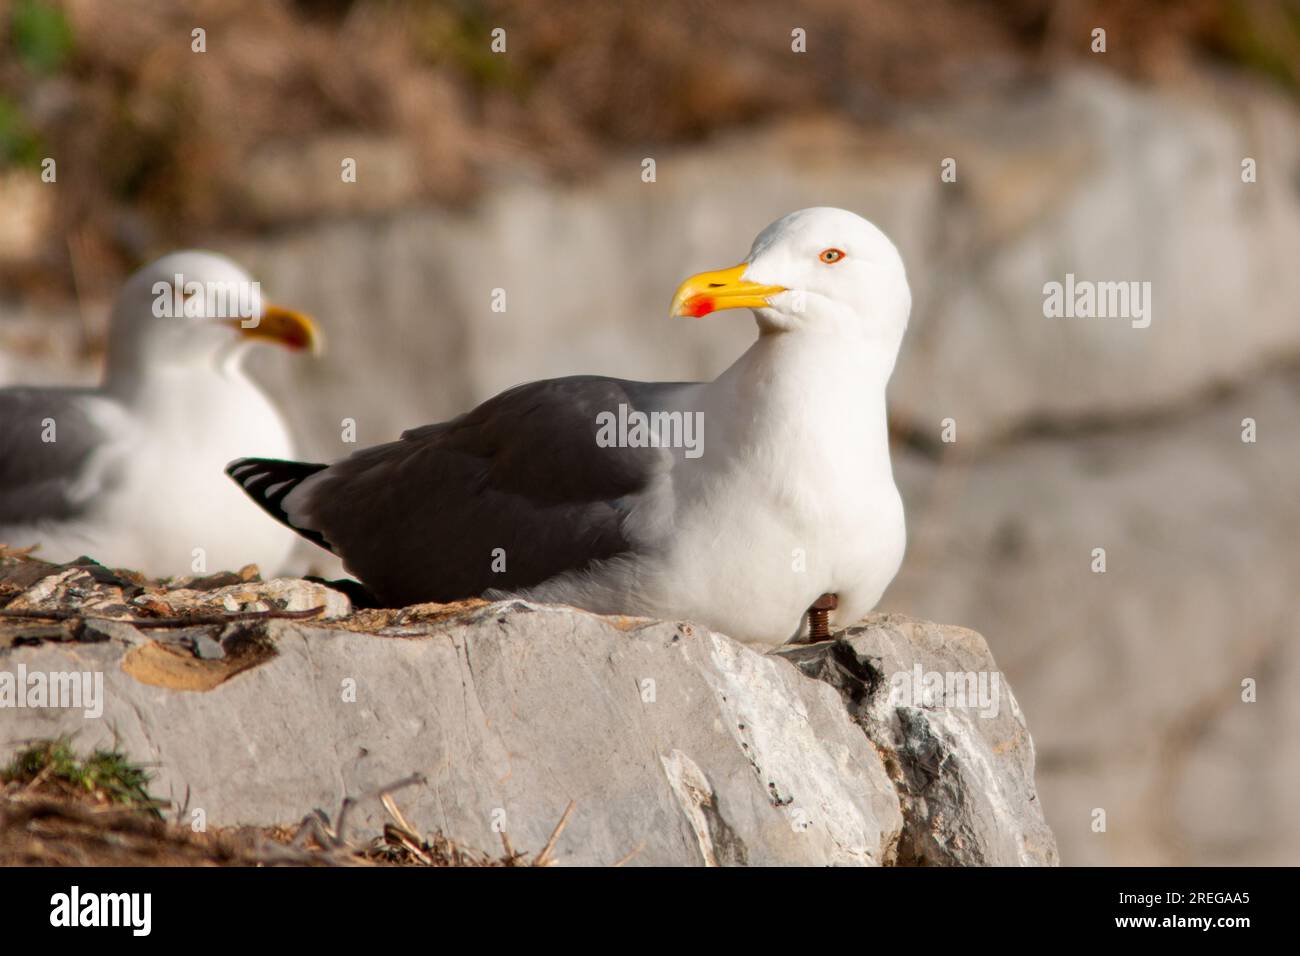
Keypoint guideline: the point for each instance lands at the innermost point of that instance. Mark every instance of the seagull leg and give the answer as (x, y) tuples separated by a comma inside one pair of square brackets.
[(819, 625)]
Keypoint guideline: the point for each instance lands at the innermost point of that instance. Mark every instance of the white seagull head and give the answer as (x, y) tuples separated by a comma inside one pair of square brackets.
[(192, 309), (818, 270)]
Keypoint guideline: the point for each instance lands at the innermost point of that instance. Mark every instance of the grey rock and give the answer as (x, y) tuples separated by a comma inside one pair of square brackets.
[(1110, 182), (963, 761), (206, 648), (1132, 679), (677, 746), (103, 629)]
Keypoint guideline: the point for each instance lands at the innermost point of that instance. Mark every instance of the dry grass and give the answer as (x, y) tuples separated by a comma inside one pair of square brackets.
[(60, 810)]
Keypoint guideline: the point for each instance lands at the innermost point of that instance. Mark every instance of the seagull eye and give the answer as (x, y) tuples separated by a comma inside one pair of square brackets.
[(830, 256)]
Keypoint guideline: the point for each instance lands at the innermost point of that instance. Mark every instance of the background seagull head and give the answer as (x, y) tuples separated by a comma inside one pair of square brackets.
[(818, 270), (193, 310)]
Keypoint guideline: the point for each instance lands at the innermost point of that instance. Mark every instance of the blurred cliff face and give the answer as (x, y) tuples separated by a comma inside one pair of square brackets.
[(1105, 490)]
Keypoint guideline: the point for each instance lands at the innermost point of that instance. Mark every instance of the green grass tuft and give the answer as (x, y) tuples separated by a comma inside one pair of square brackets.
[(19, 146), (106, 775), (41, 35)]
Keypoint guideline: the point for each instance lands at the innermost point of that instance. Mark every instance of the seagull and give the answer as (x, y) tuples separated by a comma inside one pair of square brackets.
[(761, 504), (130, 472)]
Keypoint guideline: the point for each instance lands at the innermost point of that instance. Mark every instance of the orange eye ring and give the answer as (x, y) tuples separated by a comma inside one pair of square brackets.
[(831, 256)]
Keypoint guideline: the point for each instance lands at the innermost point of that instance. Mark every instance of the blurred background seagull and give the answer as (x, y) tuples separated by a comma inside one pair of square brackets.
[(785, 495), (130, 473)]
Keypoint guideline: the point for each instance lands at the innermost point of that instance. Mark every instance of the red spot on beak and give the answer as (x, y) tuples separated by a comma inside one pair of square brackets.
[(700, 305)]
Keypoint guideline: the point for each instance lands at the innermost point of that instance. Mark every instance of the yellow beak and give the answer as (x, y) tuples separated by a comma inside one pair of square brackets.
[(713, 291), (290, 329)]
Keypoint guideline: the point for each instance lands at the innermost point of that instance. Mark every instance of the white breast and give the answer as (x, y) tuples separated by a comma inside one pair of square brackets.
[(173, 510), (802, 511)]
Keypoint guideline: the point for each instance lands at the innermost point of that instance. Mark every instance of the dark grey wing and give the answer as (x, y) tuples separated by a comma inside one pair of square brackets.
[(505, 496), (53, 461)]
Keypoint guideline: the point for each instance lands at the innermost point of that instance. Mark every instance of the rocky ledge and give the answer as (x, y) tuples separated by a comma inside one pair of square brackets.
[(256, 702)]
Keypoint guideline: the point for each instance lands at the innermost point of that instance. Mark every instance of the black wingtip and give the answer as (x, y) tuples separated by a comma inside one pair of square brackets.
[(268, 481)]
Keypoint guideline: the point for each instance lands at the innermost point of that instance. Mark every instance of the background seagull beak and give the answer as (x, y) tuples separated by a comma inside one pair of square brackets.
[(714, 291), (290, 329)]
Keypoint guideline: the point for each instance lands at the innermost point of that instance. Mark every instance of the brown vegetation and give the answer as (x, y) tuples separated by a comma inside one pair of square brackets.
[(158, 145)]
